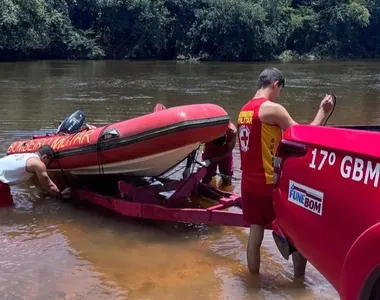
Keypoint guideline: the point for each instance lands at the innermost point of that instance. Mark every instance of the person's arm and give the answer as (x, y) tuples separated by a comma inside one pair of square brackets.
[(325, 109), (276, 114), (39, 168), (319, 118)]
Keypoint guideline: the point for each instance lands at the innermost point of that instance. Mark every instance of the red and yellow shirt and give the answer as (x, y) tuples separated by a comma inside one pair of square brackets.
[(258, 144)]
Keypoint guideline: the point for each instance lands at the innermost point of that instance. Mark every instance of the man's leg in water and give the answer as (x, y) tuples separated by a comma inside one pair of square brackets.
[(258, 211), (211, 170), (299, 264), (256, 234), (226, 167), (6, 199)]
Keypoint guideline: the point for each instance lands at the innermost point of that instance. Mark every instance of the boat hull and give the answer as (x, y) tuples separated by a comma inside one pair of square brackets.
[(142, 146), (146, 166)]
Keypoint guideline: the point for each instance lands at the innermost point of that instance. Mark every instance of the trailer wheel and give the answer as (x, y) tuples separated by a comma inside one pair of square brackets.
[(371, 289), (375, 291)]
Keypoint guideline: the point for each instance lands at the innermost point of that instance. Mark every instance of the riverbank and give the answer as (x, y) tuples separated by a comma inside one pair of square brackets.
[(225, 30), (286, 56)]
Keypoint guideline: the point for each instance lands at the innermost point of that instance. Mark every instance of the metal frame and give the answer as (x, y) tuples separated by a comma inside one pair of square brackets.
[(147, 202)]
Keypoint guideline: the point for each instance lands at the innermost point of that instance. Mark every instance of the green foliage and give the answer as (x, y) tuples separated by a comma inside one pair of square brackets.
[(206, 29)]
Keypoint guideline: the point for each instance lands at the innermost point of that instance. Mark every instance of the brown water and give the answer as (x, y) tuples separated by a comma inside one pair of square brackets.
[(50, 249)]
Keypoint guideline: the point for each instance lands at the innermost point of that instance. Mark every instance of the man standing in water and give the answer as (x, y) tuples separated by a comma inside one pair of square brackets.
[(21, 167), (260, 125)]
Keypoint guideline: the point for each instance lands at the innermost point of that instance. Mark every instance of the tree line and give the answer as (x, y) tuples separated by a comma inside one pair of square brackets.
[(230, 30)]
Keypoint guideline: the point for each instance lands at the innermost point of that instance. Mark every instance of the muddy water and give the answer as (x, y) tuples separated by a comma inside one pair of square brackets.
[(51, 249)]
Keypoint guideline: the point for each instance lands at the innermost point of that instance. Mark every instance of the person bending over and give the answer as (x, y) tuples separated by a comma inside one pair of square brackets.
[(24, 167)]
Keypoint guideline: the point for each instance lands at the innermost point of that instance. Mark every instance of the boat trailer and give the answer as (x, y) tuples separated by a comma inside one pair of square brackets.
[(146, 201)]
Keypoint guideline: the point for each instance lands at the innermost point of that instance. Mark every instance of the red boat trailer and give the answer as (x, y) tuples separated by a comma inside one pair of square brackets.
[(146, 202)]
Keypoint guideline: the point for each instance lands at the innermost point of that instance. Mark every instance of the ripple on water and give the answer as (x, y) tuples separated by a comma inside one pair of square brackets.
[(135, 97), (37, 263), (227, 245)]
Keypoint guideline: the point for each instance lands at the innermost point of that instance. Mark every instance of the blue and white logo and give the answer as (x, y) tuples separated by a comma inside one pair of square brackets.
[(305, 197)]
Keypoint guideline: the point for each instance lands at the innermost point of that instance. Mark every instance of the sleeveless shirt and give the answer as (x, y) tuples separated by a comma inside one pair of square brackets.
[(13, 168), (258, 144)]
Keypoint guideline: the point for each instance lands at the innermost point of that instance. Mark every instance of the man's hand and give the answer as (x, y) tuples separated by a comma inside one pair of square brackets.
[(66, 193), (325, 110), (327, 104), (35, 165), (205, 163)]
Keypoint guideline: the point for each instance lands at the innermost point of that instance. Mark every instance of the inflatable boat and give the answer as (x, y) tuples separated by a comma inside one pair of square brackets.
[(145, 146)]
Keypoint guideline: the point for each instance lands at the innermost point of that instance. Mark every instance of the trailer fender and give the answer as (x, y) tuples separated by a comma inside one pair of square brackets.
[(359, 265)]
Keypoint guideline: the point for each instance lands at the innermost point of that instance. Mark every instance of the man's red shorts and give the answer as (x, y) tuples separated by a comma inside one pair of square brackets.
[(257, 204), (6, 198)]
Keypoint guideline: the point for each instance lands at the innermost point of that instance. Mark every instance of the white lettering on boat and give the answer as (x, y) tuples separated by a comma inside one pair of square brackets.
[(57, 142)]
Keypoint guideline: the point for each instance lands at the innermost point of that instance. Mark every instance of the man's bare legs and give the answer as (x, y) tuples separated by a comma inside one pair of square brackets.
[(299, 264), (256, 235)]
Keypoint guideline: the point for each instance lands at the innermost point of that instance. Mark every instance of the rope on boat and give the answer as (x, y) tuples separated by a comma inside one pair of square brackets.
[(63, 172), (101, 167), (176, 170), (192, 169)]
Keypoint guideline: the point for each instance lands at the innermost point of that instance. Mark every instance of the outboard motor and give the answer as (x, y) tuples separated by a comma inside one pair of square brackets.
[(72, 123)]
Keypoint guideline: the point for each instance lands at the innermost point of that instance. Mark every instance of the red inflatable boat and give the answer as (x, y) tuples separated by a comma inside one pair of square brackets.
[(148, 145)]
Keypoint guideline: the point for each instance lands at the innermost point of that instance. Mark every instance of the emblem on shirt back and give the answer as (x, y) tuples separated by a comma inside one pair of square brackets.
[(244, 137)]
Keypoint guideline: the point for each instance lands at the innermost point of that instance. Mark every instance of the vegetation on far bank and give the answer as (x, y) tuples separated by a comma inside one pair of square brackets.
[(231, 30)]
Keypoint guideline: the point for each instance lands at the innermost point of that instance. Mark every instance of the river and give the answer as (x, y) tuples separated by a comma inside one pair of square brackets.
[(53, 249)]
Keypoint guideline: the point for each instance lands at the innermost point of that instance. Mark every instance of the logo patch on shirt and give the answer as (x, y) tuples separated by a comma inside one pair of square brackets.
[(244, 138), (245, 117)]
